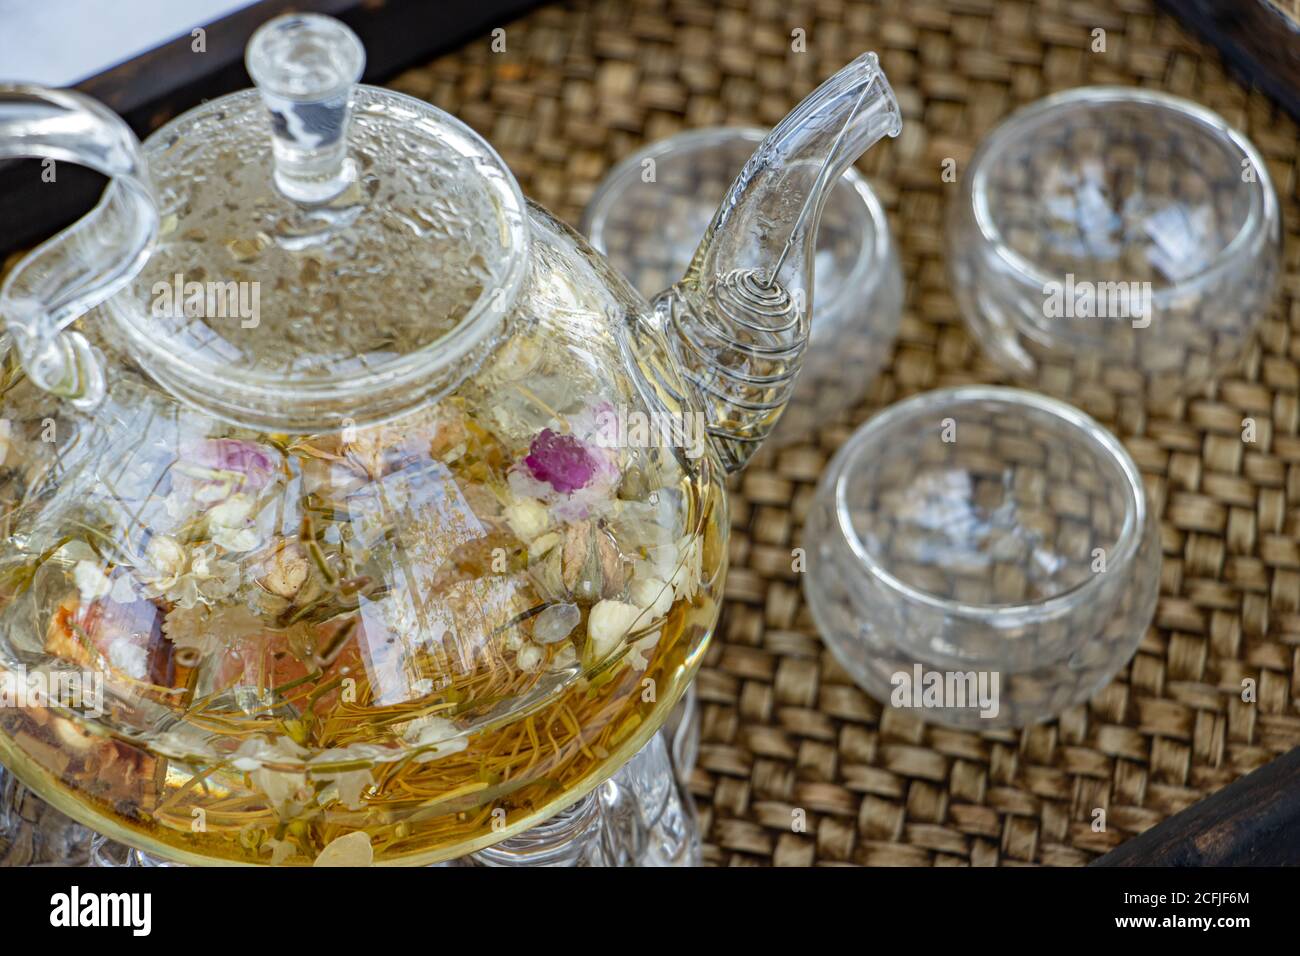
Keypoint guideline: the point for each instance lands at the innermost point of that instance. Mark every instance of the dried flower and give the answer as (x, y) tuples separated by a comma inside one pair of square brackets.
[(651, 593), (250, 465), (573, 473), (286, 571), (197, 577), (91, 580), (607, 624), (561, 460), (166, 556), (208, 630), (230, 523), (129, 657), (527, 518), (233, 512), (530, 658), (436, 736)]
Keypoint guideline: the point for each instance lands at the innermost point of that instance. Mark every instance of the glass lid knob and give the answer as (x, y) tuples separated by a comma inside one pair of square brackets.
[(305, 67)]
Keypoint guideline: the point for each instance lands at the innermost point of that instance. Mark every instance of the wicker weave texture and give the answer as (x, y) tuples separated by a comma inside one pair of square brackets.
[(581, 85)]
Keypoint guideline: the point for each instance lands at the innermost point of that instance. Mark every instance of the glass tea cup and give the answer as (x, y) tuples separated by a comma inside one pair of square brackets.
[(984, 555), (1111, 244)]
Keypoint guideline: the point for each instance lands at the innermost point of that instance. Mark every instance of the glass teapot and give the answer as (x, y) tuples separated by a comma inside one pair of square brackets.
[(353, 504)]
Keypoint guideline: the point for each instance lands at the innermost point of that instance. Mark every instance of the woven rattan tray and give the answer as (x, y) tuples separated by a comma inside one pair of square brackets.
[(583, 84)]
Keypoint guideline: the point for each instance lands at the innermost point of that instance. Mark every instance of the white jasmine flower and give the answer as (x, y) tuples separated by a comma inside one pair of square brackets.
[(529, 658), (607, 624), (528, 518), (92, 582), (286, 571), (129, 658), (233, 512), (165, 556), (208, 630), (437, 733), (198, 577), (652, 594), (230, 526)]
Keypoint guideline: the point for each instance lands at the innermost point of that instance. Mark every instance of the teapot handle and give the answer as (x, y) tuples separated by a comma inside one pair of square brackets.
[(92, 259)]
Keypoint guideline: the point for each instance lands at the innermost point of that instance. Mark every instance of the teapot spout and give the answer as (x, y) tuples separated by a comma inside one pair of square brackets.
[(739, 319)]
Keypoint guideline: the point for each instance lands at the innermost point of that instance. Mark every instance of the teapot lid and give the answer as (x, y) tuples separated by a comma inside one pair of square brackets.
[(329, 253)]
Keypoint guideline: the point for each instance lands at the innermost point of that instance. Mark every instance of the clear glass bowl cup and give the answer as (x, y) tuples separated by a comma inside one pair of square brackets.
[(994, 537), (649, 212), (1113, 244)]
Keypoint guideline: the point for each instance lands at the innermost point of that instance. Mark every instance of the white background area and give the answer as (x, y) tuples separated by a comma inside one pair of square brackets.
[(61, 42)]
